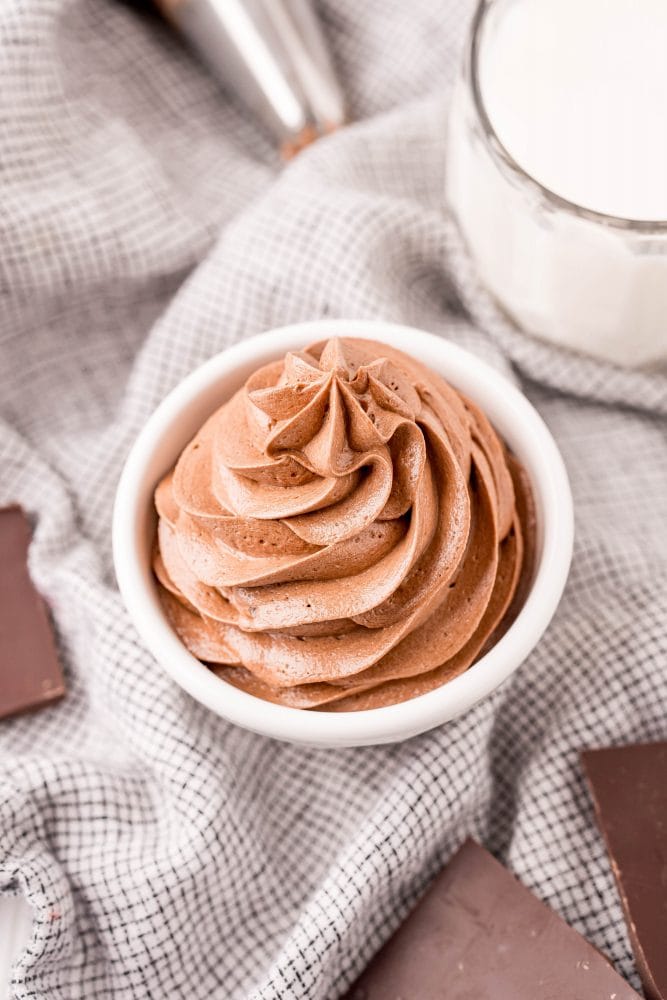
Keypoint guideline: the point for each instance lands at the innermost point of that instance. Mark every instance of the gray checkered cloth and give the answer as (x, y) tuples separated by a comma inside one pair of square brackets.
[(145, 225)]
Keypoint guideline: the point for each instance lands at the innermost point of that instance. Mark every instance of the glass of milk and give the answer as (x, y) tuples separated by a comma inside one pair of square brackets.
[(557, 170)]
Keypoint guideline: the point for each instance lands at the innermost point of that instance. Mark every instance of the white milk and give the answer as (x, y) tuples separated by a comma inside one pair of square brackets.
[(576, 92)]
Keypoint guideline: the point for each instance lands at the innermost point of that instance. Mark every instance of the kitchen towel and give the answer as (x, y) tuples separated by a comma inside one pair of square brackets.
[(145, 224)]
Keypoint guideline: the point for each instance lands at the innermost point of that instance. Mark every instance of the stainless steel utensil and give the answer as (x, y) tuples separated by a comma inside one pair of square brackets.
[(273, 55)]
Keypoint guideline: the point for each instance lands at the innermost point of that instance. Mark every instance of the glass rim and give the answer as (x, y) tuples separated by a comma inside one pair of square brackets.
[(501, 155)]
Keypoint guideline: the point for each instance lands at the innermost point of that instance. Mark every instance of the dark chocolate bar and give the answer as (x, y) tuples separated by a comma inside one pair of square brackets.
[(30, 673), (629, 789), (478, 934)]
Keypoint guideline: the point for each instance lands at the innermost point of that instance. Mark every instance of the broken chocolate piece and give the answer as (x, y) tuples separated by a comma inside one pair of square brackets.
[(30, 674), (629, 789), (478, 933)]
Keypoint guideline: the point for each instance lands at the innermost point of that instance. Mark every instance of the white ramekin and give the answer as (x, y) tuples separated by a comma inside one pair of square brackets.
[(181, 414)]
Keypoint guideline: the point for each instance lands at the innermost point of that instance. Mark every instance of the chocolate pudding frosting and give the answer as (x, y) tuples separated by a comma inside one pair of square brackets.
[(346, 532)]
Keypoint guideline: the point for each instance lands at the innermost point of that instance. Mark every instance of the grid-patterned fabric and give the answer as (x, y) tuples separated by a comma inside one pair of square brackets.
[(144, 226)]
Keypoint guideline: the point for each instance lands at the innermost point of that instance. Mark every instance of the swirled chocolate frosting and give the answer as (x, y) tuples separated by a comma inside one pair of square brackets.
[(346, 532)]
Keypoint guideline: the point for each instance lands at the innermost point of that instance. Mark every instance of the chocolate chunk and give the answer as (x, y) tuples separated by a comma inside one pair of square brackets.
[(30, 674), (478, 934), (629, 789)]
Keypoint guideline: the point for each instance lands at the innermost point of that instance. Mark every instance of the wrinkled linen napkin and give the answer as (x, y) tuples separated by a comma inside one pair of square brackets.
[(146, 225)]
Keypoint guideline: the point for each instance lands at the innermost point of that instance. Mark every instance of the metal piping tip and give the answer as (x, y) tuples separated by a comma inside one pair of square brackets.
[(290, 147), (272, 54)]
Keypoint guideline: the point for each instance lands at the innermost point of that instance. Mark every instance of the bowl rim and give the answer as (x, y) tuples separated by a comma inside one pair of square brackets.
[(506, 407)]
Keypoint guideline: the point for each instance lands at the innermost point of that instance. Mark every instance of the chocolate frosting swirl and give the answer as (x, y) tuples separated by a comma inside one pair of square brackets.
[(346, 532)]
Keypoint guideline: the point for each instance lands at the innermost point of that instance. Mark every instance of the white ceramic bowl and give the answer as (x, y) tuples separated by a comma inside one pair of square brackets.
[(181, 414)]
